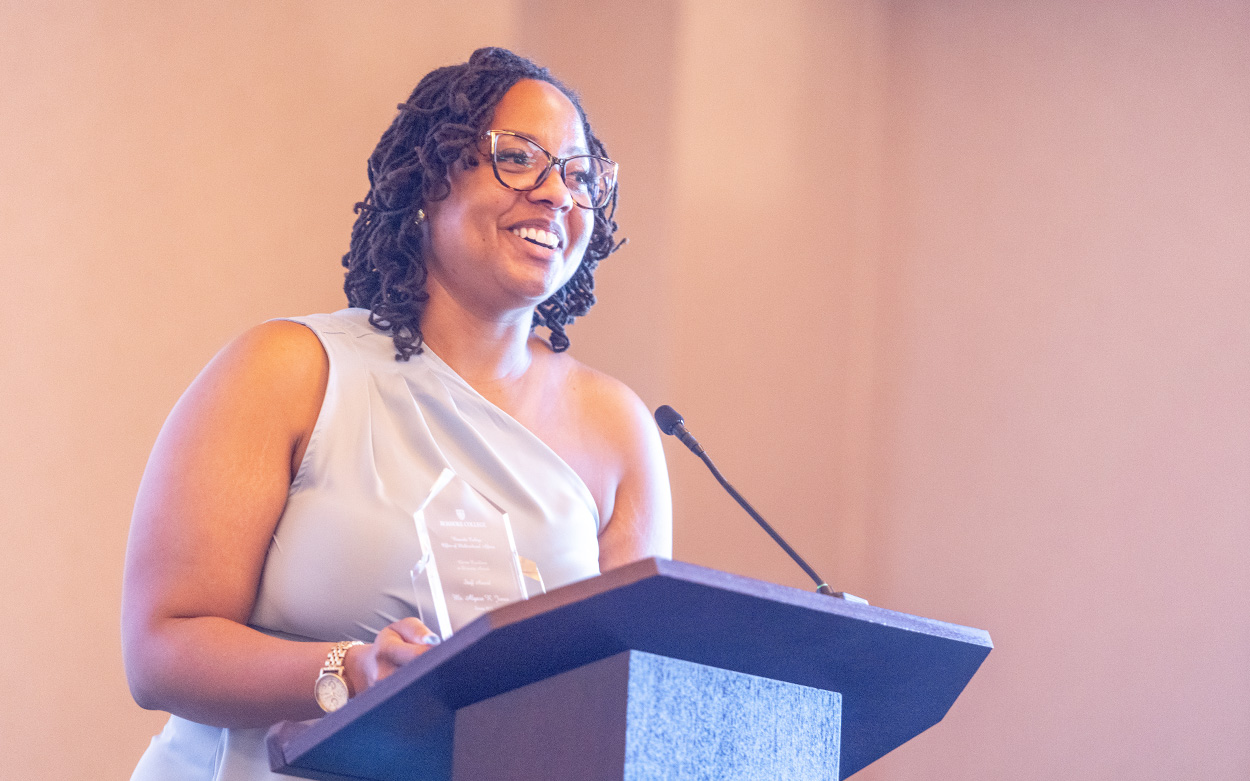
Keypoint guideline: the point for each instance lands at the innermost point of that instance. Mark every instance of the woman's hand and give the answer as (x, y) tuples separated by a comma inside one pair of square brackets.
[(395, 646)]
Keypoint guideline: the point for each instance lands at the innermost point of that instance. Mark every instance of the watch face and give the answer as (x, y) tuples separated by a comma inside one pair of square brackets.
[(331, 692)]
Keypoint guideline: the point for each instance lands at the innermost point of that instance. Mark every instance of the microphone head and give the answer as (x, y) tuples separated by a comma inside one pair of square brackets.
[(667, 419)]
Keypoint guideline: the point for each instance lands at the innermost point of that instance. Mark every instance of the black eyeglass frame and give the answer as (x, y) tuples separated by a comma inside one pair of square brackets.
[(552, 162)]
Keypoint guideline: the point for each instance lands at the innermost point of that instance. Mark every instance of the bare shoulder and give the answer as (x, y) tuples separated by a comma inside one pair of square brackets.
[(277, 348), (604, 404), (627, 467), (269, 382), (274, 359), (603, 430)]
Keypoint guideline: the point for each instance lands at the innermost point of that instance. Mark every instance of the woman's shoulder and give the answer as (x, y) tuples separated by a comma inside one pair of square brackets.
[(601, 403), (298, 344), (275, 364), (281, 346), (621, 460)]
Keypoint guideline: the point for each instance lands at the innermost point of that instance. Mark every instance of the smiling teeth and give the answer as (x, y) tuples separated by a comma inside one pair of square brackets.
[(538, 236)]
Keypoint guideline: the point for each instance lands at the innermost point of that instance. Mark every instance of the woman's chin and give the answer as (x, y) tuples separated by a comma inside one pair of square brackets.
[(538, 283)]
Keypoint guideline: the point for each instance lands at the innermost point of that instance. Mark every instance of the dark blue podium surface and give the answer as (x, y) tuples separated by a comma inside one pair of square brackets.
[(897, 674)]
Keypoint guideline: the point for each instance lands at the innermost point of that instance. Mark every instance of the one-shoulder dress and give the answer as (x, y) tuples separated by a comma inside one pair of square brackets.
[(339, 565)]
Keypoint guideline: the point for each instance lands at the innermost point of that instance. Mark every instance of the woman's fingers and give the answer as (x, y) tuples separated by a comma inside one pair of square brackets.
[(392, 656), (413, 631), (396, 645)]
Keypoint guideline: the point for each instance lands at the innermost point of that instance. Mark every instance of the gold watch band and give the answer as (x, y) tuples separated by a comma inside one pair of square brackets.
[(334, 660)]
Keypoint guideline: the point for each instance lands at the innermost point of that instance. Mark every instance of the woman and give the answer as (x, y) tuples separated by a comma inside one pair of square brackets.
[(273, 535)]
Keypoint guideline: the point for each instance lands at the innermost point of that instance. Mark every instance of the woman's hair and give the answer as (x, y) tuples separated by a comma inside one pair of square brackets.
[(436, 128)]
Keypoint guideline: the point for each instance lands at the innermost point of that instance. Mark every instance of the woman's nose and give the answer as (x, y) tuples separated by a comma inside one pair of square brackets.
[(553, 191)]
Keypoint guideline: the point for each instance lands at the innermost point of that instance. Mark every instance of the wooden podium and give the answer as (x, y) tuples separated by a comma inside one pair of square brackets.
[(657, 670)]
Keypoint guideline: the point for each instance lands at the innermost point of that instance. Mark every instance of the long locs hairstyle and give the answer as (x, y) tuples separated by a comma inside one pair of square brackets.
[(436, 128)]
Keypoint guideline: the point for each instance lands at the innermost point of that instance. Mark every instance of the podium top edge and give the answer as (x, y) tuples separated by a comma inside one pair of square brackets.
[(652, 567)]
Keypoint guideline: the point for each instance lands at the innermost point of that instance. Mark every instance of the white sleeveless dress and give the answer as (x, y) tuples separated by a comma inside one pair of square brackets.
[(339, 565)]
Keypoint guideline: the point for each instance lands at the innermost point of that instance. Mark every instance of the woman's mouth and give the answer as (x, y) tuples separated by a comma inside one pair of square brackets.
[(544, 239)]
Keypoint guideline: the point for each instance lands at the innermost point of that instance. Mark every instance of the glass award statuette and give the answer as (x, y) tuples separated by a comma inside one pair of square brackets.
[(469, 564)]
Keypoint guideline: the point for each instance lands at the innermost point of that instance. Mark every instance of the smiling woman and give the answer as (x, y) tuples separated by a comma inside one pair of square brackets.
[(494, 247), (273, 545), (445, 128)]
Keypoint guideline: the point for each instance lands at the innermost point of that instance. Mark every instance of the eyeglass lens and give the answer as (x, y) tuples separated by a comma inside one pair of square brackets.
[(522, 165)]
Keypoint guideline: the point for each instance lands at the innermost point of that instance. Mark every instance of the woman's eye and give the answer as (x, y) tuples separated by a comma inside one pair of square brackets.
[(514, 157)]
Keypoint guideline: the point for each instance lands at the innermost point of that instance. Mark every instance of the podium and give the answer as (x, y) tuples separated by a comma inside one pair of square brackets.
[(657, 670)]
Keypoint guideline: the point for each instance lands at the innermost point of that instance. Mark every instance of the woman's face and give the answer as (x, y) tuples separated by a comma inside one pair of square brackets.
[(479, 250)]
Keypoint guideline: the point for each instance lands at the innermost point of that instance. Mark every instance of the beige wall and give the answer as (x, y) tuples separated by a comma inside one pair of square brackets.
[(170, 173), (955, 292), (1065, 380)]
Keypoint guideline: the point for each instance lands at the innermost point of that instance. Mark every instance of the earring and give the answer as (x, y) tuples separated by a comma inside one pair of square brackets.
[(420, 217)]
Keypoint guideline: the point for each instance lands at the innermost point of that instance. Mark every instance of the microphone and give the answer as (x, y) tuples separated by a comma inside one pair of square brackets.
[(671, 423)]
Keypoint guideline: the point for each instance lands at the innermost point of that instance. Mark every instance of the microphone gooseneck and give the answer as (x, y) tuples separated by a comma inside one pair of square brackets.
[(671, 423)]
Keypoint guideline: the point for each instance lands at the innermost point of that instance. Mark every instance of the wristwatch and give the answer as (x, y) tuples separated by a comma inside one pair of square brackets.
[(331, 689)]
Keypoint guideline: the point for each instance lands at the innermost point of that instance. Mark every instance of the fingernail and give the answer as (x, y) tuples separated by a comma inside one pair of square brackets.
[(431, 639)]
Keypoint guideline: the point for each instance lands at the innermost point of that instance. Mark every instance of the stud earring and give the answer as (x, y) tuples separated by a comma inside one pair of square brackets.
[(420, 217)]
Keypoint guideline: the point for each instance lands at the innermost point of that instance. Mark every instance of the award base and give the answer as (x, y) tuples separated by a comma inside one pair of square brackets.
[(637, 715)]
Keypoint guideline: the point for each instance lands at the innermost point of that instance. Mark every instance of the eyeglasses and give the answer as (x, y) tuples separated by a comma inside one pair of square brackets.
[(522, 165)]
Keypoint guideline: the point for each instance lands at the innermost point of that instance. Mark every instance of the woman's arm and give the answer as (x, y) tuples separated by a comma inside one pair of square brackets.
[(641, 520), (214, 488)]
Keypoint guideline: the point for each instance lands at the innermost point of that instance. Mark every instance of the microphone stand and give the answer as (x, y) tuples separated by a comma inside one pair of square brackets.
[(671, 423)]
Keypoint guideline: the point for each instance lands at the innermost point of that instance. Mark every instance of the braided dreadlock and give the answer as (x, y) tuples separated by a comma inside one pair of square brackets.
[(436, 128)]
